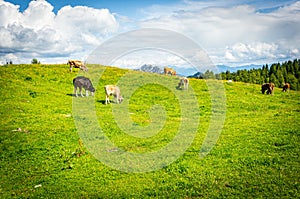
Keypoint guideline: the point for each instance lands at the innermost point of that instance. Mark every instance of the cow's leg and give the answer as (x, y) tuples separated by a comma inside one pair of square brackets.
[(80, 89), (117, 99), (107, 99), (75, 91), (86, 93)]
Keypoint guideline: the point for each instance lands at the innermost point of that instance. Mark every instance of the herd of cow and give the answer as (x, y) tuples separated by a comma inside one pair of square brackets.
[(83, 82), (269, 87)]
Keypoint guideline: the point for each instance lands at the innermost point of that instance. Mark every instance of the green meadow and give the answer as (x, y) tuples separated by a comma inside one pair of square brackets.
[(51, 143)]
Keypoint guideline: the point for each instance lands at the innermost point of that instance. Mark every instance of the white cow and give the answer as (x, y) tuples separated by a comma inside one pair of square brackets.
[(115, 91), (183, 82)]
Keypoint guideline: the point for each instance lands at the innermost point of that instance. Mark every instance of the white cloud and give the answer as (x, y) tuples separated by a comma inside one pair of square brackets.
[(235, 34), (38, 15), (250, 52), (39, 32), (153, 57)]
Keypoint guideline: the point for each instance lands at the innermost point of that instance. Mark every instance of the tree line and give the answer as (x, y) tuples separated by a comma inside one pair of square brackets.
[(278, 73)]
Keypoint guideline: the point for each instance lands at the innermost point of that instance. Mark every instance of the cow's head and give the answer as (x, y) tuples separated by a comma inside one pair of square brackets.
[(84, 68), (121, 99), (92, 89)]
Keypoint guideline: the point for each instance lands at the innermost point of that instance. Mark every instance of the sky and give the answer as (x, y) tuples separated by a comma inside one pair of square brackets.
[(232, 33)]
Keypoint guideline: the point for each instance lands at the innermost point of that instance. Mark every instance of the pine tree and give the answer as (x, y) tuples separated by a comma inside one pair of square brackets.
[(296, 68), (280, 78), (284, 73), (293, 81), (274, 79)]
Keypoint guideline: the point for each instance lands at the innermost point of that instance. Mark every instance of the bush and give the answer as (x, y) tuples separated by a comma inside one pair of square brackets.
[(35, 61)]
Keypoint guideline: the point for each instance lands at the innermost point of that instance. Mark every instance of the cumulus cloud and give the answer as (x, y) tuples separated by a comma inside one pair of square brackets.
[(153, 57), (251, 52), (234, 34), (39, 32)]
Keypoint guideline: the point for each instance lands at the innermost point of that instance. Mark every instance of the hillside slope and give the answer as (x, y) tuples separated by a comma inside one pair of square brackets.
[(43, 154)]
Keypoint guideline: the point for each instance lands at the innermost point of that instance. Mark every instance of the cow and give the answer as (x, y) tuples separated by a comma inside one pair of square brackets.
[(115, 91), (169, 71), (269, 87), (286, 87), (183, 82), (83, 82), (77, 64)]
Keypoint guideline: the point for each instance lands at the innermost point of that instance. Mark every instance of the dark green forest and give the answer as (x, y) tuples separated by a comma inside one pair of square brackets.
[(278, 73)]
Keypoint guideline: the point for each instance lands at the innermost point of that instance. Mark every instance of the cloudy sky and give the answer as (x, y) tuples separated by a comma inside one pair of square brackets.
[(232, 33)]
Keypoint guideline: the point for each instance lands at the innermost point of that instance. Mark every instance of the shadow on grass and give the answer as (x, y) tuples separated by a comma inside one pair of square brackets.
[(71, 95), (101, 101)]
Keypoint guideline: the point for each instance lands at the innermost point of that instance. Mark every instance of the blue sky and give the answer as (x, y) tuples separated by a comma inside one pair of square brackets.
[(232, 33), (128, 7)]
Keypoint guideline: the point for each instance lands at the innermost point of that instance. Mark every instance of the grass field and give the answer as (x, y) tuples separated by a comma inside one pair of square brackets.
[(43, 153)]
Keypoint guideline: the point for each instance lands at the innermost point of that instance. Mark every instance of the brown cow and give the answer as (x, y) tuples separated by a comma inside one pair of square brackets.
[(170, 71), (286, 87), (77, 64), (269, 87)]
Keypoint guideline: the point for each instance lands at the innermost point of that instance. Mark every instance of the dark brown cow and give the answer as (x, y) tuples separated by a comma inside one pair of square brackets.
[(286, 87), (269, 87), (77, 64)]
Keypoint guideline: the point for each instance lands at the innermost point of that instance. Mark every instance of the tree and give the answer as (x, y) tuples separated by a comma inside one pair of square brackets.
[(273, 69), (284, 73), (209, 75), (274, 80), (228, 75), (296, 68), (35, 61), (265, 73), (280, 78), (293, 81)]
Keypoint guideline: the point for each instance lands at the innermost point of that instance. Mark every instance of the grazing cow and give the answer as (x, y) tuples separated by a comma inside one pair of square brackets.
[(169, 71), (77, 64), (83, 82), (115, 91), (183, 82), (286, 87), (269, 87)]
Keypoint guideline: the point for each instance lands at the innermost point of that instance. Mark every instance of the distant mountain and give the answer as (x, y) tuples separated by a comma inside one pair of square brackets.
[(197, 75), (194, 72), (151, 69), (160, 69)]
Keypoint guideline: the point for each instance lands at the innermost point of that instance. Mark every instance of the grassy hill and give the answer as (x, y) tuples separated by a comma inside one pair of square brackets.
[(45, 153)]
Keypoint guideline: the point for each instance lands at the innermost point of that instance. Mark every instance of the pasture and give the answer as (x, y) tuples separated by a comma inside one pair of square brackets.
[(43, 155)]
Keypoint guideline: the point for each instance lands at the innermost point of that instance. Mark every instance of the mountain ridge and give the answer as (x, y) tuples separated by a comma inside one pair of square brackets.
[(182, 71)]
